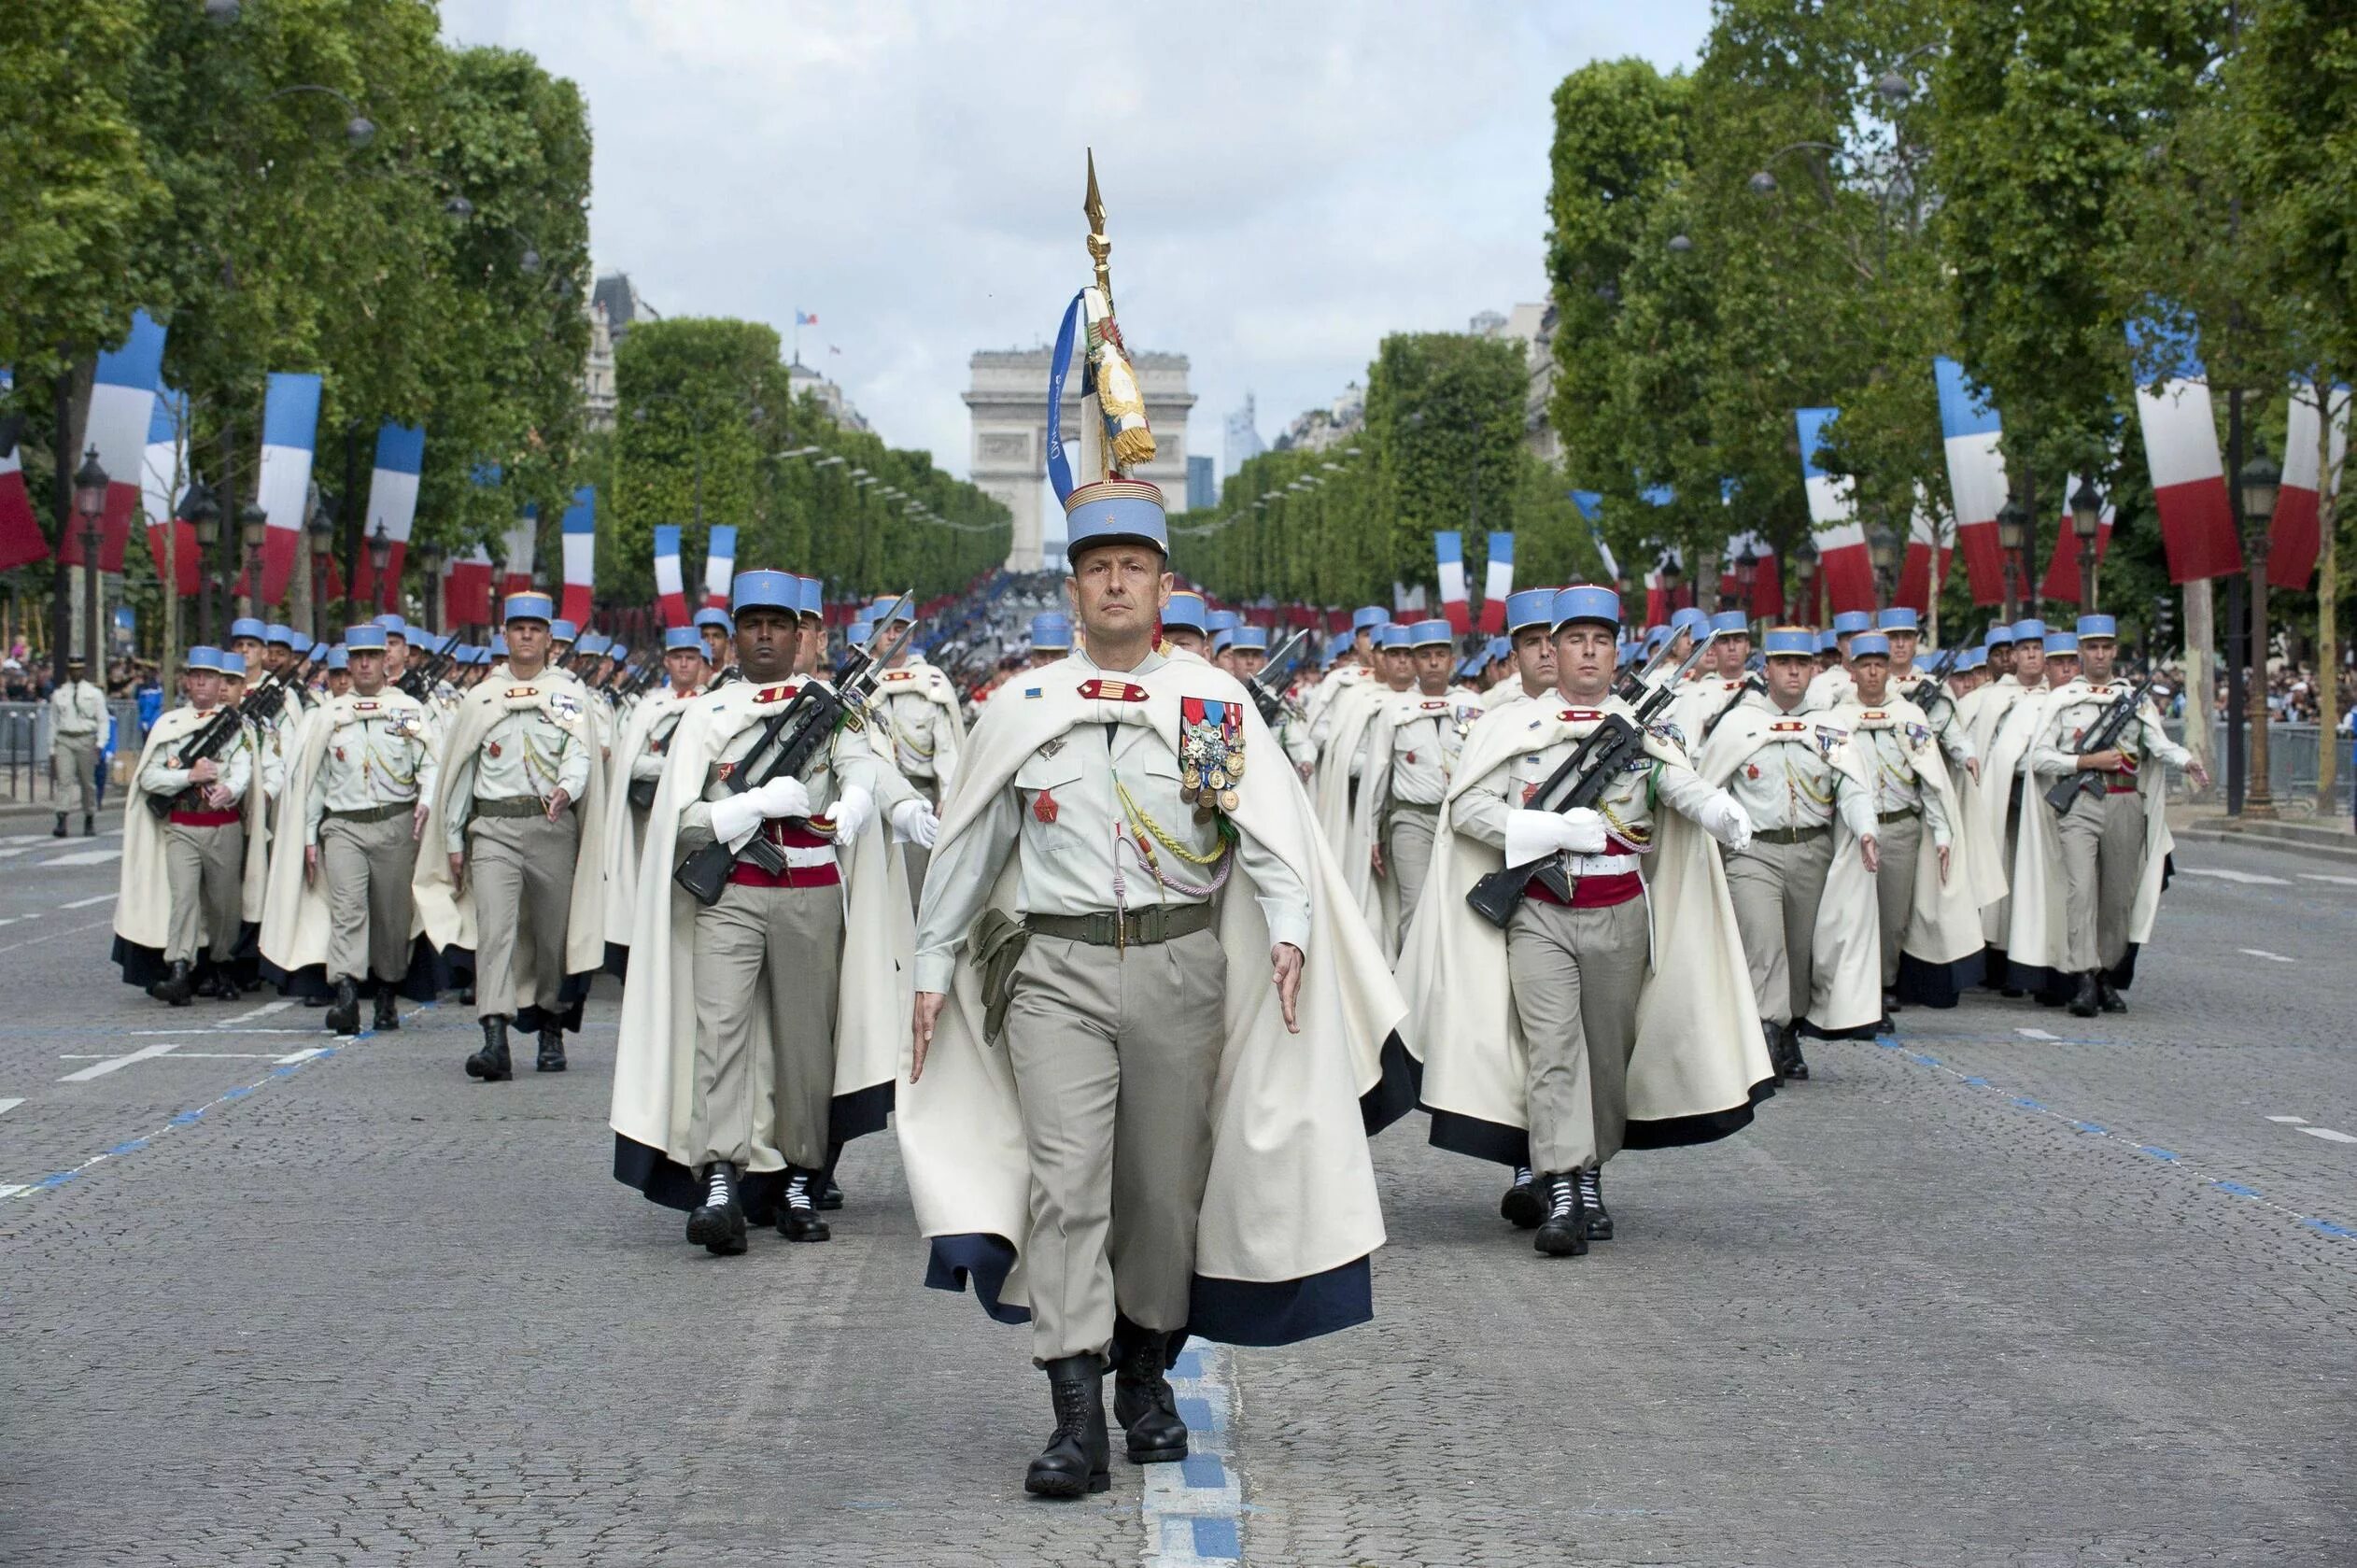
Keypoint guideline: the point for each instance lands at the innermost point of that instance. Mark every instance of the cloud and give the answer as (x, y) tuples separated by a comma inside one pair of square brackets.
[(1284, 183)]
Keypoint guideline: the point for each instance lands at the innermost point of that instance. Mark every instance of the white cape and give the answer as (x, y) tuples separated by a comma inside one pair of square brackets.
[(624, 829), (1941, 945), (143, 900)]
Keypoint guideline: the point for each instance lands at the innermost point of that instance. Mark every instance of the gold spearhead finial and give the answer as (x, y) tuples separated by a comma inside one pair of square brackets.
[(1100, 248)]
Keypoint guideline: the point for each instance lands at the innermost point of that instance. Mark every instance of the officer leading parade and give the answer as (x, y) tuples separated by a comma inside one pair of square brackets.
[(1703, 920)]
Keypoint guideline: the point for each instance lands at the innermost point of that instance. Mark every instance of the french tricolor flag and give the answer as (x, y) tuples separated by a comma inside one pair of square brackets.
[(1448, 549), (580, 537), (1931, 543), (290, 428), (467, 588), (670, 594), (2180, 445), (1971, 429), (1844, 568), (162, 481), (392, 501), (521, 545), (2061, 582), (21, 541), (720, 565), (122, 399), (1497, 585), (2291, 539), (1591, 510), (1767, 601)]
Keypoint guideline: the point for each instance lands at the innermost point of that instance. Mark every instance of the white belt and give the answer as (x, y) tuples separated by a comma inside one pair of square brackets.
[(803, 857), (1600, 865)]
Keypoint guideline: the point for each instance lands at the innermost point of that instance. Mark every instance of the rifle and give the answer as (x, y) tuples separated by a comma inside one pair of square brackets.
[(1750, 684), (2064, 792), (227, 720), (1936, 681), (419, 681), (790, 740), (1581, 781), (1267, 687)]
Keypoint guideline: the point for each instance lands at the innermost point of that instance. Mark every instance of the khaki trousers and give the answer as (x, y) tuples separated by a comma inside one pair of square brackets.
[(1574, 976), (1114, 1051), (1899, 841), (1407, 856), (2103, 856), (919, 857), (366, 867), (1776, 889), (77, 760), (765, 955), (206, 869), (521, 868)]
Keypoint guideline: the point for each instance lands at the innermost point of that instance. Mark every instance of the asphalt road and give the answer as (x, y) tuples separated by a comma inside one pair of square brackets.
[(2008, 1289)]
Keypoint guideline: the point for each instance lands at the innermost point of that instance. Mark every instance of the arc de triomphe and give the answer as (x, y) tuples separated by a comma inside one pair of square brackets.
[(1008, 403)]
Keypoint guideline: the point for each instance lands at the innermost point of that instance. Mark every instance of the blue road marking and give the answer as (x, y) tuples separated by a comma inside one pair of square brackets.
[(2326, 1227), (132, 1147), (1204, 1470), (1197, 1414), (2237, 1187), (2156, 1153), (1216, 1538), (1188, 1365)]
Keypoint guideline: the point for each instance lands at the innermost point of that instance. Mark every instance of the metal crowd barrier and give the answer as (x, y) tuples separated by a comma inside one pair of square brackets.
[(2292, 752), (24, 750)]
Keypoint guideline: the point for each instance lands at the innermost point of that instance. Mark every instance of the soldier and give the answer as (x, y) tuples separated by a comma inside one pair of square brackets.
[(1182, 623), (1530, 644), (1412, 744), (1719, 682), (1125, 1139), (1731, 644), (340, 897), (924, 729), (339, 677), (758, 1003), (515, 842), (77, 725), (1050, 639), (1357, 664), (1802, 901), (198, 852), (719, 634), (1538, 1026), (396, 647), (2006, 725), (1219, 631), (1833, 685), (811, 610)]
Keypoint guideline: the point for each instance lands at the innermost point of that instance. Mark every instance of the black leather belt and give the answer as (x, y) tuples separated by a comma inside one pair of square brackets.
[(375, 813), (1158, 924), (516, 805)]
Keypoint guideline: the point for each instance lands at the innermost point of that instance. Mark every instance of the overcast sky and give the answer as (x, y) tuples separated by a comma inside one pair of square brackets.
[(1284, 183)]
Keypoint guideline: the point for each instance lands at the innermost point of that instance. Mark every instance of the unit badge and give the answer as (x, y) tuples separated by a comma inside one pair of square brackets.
[(1210, 751)]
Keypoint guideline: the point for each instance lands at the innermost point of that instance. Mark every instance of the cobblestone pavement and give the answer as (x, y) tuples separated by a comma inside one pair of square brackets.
[(1970, 1296)]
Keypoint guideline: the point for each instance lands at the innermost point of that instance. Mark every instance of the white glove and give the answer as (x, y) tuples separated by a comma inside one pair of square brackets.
[(736, 816), (914, 822), (782, 798), (1535, 835), (1723, 820), (855, 809)]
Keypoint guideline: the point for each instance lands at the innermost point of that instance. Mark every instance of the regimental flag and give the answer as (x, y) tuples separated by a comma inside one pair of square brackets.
[(21, 541), (580, 539), (122, 398), (1971, 430), (669, 595), (162, 481), (2292, 538), (2061, 585), (1931, 543), (806, 318), (1499, 582), (521, 544), (2180, 445), (1844, 567), (289, 430), (720, 565), (392, 502), (1448, 548), (467, 588)]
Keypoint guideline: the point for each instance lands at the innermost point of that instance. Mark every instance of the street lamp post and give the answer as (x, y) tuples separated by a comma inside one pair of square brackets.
[(320, 534), (1804, 575), (90, 505), (1746, 573), (2259, 481), (380, 556), (202, 514), (253, 532), (2086, 521), (2012, 530), (1882, 549), (429, 561)]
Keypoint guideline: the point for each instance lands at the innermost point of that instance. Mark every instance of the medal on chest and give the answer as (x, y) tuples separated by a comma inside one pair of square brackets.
[(1210, 751)]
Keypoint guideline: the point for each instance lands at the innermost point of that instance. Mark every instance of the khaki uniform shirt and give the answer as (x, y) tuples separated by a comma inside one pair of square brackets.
[(528, 754), (924, 733), (382, 754), (78, 712), (847, 759), (1884, 738), (2074, 710), (1626, 804), (1427, 742), (162, 776), (1791, 783)]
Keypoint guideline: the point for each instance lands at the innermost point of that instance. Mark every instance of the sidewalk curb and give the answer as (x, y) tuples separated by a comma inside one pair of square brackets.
[(2300, 838)]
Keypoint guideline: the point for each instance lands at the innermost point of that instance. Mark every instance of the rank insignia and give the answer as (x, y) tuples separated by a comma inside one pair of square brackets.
[(1044, 806), (1529, 793), (1918, 736), (365, 707), (781, 693), (1101, 690), (1210, 751)]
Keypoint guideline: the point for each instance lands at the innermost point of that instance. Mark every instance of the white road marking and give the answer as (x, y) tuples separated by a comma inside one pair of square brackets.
[(2223, 874), (26, 838), (2318, 876), (13, 854), (2037, 1035), (263, 1011), (219, 1030), (35, 942), (85, 903), (2328, 1134), (2263, 953), (11, 1192), (2290, 1120), (116, 1064), (183, 1056), (302, 1055), (12, 919), (7, 1106), (86, 858)]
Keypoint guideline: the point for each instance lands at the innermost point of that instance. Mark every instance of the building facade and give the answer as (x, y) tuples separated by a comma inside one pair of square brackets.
[(1007, 403)]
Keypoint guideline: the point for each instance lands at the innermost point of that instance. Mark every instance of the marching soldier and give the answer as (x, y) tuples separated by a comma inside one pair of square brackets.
[(1833, 685), (1544, 1026), (2110, 841), (77, 725), (1182, 623), (1219, 629), (198, 852), (719, 634), (513, 842), (2010, 719), (1531, 644), (340, 892), (339, 671), (1412, 744), (1808, 914), (1357, 664), (396, 647), (1050, 639), (924, 728)]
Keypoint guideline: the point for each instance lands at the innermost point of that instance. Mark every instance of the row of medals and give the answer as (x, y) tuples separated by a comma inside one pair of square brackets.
[(1208, 772)]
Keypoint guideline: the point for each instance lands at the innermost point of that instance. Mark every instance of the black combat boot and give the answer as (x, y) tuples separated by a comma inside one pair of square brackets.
[(343, 1013), (1796, 1065), (718, 1224), (491, 1063), (1591, 1198), (388, 1007), (2087, 1000), (89, 825), (59, 831), (830, 1197), (797, 1211), (1142, 1400), (1523, 1207), (1078, 1459), (175, 988), (1774, 1035), (552, 1050), (1563, 1234), (2107, 998), (221, 985)]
